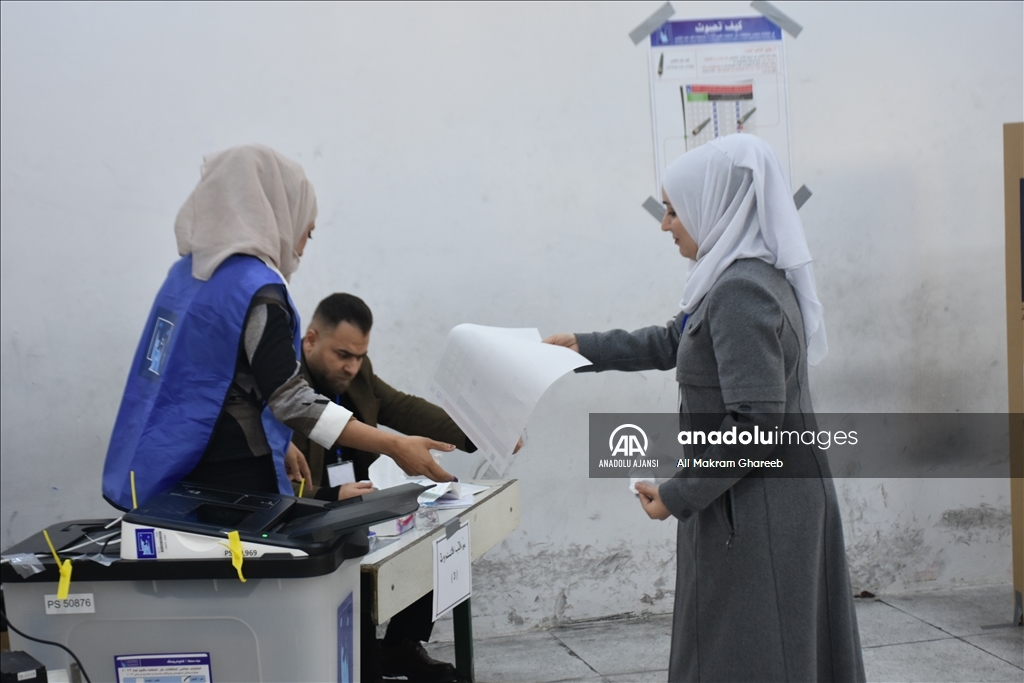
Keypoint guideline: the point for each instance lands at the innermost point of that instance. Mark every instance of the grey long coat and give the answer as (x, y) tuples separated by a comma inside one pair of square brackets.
[(762, 586)]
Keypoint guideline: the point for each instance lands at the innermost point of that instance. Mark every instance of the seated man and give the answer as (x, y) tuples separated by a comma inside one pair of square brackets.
[(335, 364)]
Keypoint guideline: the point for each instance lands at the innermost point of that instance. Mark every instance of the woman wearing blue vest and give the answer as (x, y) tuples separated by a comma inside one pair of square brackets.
[(214, 391)]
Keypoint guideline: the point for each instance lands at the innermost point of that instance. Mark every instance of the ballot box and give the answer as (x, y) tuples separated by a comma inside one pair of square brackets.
[(171, 616)]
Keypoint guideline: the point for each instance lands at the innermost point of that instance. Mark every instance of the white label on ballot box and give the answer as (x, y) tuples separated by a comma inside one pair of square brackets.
[(341, 473), (453, 582), (75, 603), (191, 667)]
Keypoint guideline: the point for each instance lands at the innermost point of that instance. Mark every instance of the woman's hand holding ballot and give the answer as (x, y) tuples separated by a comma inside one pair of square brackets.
[(566, 340), (650, 498)]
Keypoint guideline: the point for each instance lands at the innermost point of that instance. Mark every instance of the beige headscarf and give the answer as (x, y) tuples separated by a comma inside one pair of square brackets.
[(249, 200)]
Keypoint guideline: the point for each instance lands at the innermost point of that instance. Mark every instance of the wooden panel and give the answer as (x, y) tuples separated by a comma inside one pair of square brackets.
[(1013, 166)]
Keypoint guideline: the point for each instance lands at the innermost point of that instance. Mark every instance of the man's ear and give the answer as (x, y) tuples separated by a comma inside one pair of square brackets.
[(309, 340)]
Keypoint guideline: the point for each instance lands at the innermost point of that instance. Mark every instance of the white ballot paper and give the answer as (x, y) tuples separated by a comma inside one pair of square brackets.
[(385, 473), (489, 380)]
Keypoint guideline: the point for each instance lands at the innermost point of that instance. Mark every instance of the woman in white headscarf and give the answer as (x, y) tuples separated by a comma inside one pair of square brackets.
[(762, 585), (215, 389)]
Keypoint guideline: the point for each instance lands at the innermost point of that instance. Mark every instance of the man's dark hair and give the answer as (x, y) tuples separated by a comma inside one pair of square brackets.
[(339, 308)]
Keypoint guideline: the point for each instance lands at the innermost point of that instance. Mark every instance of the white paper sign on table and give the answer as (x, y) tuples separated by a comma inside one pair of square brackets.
[(453, 580), (490, 379)]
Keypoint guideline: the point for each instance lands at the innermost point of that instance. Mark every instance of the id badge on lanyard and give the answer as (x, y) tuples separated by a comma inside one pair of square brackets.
[(341, 473)]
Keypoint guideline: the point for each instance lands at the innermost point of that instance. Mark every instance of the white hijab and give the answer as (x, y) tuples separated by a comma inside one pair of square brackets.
[(249, 200), (733, 199)]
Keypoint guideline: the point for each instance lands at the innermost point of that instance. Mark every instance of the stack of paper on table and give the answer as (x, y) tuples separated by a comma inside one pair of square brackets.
[(452, 494), (385, 473)]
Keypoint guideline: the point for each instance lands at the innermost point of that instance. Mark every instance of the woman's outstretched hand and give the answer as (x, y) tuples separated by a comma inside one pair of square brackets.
[(566, 340), (650, 498)]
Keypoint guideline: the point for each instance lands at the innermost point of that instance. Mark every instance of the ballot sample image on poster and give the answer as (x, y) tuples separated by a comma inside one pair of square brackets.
[(713, 110), (715, 77)]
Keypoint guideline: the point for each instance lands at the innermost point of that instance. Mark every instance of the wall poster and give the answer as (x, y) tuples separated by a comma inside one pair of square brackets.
[(713, 77)]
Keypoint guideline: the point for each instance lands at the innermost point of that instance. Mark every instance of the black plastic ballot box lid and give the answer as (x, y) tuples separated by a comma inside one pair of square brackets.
[(329, 532)]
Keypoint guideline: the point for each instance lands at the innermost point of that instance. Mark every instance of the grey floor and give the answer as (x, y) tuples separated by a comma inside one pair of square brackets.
[(957, 635)]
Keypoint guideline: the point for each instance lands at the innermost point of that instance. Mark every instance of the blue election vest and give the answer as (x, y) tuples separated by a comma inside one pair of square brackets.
[(180, 378)]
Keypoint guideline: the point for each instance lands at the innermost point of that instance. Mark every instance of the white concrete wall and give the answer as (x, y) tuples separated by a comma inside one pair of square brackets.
[(486, 163)]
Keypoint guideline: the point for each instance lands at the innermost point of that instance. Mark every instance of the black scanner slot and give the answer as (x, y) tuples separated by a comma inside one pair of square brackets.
[(371, 508), (274, 519), (222, 515)]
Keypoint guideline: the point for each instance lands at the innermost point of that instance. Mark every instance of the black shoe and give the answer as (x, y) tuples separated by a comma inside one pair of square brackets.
[(409, 659)]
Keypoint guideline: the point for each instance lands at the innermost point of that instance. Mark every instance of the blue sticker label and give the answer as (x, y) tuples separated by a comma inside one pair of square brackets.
[(158, 348), (145, 544), (158, 345)]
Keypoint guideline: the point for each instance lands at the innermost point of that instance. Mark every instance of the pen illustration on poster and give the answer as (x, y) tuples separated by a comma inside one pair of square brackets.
[(714, 77)]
